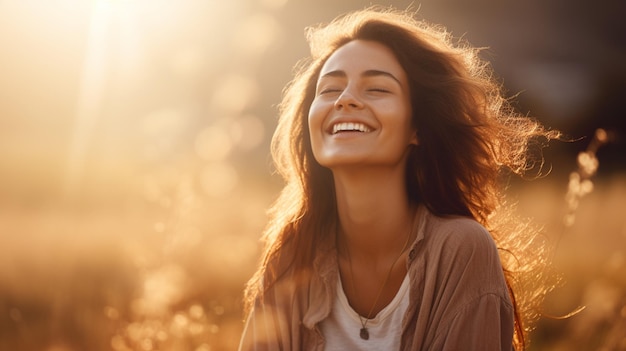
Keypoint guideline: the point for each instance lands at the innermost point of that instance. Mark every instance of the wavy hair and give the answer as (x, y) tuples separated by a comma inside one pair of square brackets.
[(469, 137)]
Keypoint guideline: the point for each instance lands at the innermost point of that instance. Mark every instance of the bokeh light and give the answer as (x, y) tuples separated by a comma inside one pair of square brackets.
[(135, 171)]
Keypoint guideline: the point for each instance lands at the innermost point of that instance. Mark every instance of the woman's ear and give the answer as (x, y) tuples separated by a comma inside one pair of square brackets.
[(414, 140)]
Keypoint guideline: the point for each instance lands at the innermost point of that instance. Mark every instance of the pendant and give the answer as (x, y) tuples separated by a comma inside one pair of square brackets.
[(365, 335)]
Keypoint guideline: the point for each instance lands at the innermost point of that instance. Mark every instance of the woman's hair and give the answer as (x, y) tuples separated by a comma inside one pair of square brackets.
[(469, 136)]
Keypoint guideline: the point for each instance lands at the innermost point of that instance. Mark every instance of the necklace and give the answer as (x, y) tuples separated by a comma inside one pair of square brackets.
[(364, 333)]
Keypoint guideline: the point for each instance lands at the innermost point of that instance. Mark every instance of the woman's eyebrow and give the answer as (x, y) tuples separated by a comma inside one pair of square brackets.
[(334, 74), (368, 73), (375, 73)]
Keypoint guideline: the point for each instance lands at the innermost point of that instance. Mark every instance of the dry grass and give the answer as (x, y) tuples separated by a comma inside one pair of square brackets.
[(165, 269), (155, 273), (590, 262)]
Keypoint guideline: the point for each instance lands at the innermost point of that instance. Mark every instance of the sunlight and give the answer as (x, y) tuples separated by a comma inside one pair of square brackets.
[(235, 93), (135, 173), (255, 34), (218, 179), (247, 132), (213, 144), (91, 90)]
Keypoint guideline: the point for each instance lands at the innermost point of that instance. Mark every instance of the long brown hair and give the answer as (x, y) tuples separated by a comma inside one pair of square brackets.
[(467, 130)]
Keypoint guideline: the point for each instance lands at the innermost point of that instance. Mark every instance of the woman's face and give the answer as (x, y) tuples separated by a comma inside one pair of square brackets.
[(361, 113)]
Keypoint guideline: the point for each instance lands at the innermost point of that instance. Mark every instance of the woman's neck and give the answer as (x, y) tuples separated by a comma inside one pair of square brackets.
[(375, 214)]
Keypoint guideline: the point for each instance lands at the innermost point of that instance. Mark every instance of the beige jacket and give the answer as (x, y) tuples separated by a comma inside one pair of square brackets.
[(458, 295)]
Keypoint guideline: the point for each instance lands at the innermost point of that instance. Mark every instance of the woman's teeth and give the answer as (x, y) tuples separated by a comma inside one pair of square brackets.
[(350, 127)]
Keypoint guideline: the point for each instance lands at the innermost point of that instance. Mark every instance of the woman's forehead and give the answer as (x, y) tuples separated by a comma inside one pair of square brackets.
[(363, 55)]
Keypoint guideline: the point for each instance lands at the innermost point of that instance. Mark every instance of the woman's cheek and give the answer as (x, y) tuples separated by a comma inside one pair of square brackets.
[(316, 117)]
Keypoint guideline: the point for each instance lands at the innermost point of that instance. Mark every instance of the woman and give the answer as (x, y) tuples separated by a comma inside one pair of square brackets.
[(391, 141)]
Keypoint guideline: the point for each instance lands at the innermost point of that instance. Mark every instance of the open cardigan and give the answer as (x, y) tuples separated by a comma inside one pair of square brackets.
[(458, 297)]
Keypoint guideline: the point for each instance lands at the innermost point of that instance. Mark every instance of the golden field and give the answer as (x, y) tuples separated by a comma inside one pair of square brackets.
[(135, 174), (165, 269)]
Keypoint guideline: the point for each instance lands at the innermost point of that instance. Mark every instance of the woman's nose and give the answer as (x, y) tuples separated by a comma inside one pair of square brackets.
[(347, 100)]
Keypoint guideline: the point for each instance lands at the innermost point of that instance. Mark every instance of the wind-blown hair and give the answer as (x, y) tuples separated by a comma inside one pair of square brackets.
[(467, 131)]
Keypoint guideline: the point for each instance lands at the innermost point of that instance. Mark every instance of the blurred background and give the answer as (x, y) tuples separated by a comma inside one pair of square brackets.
[(135, 169)]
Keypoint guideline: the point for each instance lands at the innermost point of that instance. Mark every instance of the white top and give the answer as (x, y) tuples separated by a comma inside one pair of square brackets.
[(342, 328)]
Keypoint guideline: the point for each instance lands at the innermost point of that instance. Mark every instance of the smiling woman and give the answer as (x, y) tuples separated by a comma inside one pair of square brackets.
[(362, 87), (387, 234)]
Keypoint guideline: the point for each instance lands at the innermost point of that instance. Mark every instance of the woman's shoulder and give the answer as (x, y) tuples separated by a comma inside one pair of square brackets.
[(456, 242), (458, 231), (461, 249)]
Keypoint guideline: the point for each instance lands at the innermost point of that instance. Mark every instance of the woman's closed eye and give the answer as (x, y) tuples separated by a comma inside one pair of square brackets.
[(330, 90), (379, 90)]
